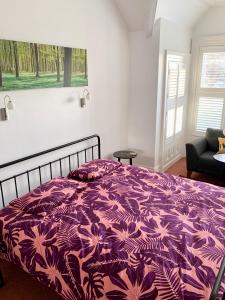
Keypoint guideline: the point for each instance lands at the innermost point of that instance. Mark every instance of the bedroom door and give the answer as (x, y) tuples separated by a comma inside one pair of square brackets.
[(175, 98)]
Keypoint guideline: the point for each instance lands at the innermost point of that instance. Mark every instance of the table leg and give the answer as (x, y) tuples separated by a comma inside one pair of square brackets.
[(131, 163), (118, 159)]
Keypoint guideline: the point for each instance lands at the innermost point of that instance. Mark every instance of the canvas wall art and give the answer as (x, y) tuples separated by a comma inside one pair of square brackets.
[(30, 65)]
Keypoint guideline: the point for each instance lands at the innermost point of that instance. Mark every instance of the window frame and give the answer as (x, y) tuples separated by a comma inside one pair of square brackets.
[(199, 47), (184, 61), (179, 136)]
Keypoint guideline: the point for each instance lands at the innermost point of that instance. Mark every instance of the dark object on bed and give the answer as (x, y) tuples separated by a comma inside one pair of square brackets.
[(125, 155), (85, 151), (200, 152)]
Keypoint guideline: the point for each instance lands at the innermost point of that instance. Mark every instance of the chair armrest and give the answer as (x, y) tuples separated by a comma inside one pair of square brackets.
[(199, 146), (193, 152)]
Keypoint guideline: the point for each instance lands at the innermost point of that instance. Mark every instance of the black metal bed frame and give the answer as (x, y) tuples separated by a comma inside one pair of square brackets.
[(76, 154), (218, 282), (85, 151)]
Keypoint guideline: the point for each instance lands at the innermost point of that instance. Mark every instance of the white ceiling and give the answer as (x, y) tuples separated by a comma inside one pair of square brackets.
[(217, 2), (137, 13), (185, 12), (141, 14), (182, 12)]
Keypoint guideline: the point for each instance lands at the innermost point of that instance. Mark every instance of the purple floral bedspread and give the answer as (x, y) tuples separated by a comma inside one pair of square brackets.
[(131, 234)]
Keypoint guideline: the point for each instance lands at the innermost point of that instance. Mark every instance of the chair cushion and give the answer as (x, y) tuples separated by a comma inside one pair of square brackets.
[(212, 136), (221, 145), (208, 164)]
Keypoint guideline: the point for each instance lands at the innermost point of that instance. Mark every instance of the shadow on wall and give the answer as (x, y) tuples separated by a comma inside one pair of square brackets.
[(2, 114), (144, 161)]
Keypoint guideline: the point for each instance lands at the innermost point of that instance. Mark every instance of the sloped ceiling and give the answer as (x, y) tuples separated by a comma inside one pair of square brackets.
[(185, 12), (138, 14), (217, 2), (141, 14)]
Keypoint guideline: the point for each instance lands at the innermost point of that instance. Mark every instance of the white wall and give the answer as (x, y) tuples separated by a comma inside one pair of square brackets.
[(146, 97), (176, 39), (143, 94), (49, 117), (147, 74), (184, 13), (212, 23)]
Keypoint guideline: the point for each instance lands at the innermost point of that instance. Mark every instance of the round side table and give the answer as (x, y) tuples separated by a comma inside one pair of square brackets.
[(219, 157), (125, 155)]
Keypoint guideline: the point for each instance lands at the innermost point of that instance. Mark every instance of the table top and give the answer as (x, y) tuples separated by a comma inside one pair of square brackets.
[(125, 154), (220, 157)]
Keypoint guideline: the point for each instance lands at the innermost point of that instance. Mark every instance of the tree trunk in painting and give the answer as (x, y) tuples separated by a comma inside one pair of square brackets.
[(36, 60), (16, 59), (32, 68), (11, 57), (22, 63), (1, 81), (67, 66), (57, 62), (85, 65)]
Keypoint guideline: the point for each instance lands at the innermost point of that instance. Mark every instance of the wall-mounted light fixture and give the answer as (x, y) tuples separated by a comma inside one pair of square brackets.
[(8, 105), (86, 96)]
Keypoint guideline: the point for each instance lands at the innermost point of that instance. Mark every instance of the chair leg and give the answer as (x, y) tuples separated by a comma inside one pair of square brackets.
[(1, 280), (189, 173)]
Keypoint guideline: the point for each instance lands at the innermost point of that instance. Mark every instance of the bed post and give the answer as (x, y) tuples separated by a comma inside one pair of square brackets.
[(1, 280), (99, 146), (218, 282)]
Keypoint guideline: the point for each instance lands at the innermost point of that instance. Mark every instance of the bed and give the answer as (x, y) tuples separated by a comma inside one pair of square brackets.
[(113, 231)]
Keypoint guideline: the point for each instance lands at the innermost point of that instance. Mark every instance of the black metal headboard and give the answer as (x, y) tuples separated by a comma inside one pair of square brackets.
[(88, 153)]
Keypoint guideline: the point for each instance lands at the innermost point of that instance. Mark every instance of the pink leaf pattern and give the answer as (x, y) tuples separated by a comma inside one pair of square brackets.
[(118, 232)]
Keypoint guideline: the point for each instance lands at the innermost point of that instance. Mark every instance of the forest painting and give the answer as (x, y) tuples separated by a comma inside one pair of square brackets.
[(30, 65)]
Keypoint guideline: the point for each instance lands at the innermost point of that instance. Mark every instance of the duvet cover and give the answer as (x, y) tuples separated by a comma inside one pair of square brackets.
[(113, 231)]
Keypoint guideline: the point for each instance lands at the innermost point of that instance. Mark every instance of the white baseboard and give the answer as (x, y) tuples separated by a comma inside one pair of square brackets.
[(157, 168), (160, 168), (172, 162)]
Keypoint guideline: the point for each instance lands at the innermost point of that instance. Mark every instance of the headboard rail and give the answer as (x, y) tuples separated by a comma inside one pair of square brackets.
[(12, 181)]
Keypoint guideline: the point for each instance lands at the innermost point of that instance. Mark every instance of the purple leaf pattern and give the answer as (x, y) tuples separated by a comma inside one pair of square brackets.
[(118, 232)]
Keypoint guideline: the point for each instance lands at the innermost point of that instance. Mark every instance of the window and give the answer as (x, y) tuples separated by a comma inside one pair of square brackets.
[(176, 84), (210, 90), (213, 70), (174, 109), (210, 113)]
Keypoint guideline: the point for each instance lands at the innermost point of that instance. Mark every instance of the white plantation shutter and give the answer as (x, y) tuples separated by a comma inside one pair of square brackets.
[(180, 97), (176, 81), (172, 88), (210, 91), (209, 113), (179, 119), (175, 100)]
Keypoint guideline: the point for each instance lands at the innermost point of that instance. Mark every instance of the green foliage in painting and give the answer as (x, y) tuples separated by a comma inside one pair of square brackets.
[(30, 65)]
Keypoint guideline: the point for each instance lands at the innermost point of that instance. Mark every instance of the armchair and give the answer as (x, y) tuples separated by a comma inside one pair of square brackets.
[(199, 154)]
